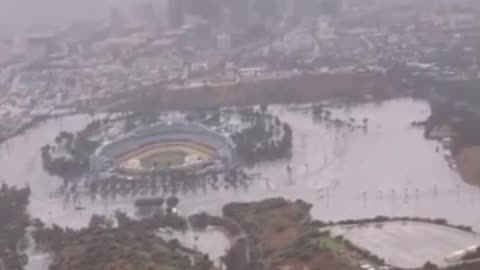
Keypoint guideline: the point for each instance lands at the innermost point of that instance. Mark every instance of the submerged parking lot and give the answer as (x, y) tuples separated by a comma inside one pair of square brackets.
[(408, 245)]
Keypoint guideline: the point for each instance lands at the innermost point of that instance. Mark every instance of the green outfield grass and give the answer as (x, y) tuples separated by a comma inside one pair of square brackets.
[(164, 160)]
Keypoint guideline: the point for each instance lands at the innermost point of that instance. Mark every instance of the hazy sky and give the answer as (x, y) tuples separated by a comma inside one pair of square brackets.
[(20, 14)]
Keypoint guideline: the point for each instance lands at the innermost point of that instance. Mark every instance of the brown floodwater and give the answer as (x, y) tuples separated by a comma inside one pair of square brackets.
[(388, 169)]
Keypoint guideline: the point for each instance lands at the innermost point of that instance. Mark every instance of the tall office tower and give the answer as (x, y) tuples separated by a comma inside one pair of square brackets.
[(176, 13)]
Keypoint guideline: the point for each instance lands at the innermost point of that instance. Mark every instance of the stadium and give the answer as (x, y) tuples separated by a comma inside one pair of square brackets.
[(165, 146)]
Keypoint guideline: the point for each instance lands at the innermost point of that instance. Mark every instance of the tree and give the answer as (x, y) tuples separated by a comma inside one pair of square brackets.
[(430, 266), (122, 219), (148, 117), (172, 202), (100, 222), (173, 244), (46, 157)]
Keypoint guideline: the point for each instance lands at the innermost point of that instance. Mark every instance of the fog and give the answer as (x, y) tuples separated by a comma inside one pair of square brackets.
[(20, 16), (368, 110), (17, 16)]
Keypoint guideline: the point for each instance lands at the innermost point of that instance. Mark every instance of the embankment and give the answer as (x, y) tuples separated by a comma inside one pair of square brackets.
[(294, 89)]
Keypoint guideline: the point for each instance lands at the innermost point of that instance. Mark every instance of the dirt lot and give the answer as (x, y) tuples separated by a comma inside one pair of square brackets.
[(281, 237), (468, 164), (298, 89)]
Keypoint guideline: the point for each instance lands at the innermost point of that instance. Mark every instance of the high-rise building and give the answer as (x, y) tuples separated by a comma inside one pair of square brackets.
[(176, 13)]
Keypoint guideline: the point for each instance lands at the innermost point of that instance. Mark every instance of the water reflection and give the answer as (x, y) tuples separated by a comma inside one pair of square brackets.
[(389, 169)]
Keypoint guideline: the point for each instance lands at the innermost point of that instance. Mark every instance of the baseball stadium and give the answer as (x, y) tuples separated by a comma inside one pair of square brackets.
[(176, 145)]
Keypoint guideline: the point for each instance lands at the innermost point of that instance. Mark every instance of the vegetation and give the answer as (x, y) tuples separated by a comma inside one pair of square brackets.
[(457, 107), (51, 235), (267, 138), (472, 255), (278, 235), (77, 149), (465, 266), (430, 266), (121, 243), (13, 222), (328, 243), (323, 114), (202, 220), (123, 250)]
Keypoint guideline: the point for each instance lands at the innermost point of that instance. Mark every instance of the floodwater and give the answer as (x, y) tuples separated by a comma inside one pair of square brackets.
[(351, 173), (409, 245), (390, 169)]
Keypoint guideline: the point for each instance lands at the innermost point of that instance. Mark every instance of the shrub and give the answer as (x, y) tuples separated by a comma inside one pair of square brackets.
[(430, 266)]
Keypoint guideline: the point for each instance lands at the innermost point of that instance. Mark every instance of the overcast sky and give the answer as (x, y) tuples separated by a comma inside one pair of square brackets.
[(20, 15), (17, 15)]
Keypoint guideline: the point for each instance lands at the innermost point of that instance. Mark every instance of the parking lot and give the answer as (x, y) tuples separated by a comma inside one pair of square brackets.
[(408, 244)]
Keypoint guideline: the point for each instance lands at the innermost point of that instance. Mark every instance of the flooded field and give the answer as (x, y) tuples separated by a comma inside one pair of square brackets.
[(389, 169), (409, 245)]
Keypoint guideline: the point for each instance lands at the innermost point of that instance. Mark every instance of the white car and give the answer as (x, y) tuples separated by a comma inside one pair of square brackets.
[(365, 266)]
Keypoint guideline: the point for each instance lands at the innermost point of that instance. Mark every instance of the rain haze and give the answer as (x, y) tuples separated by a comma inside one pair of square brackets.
[(232, 135)]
